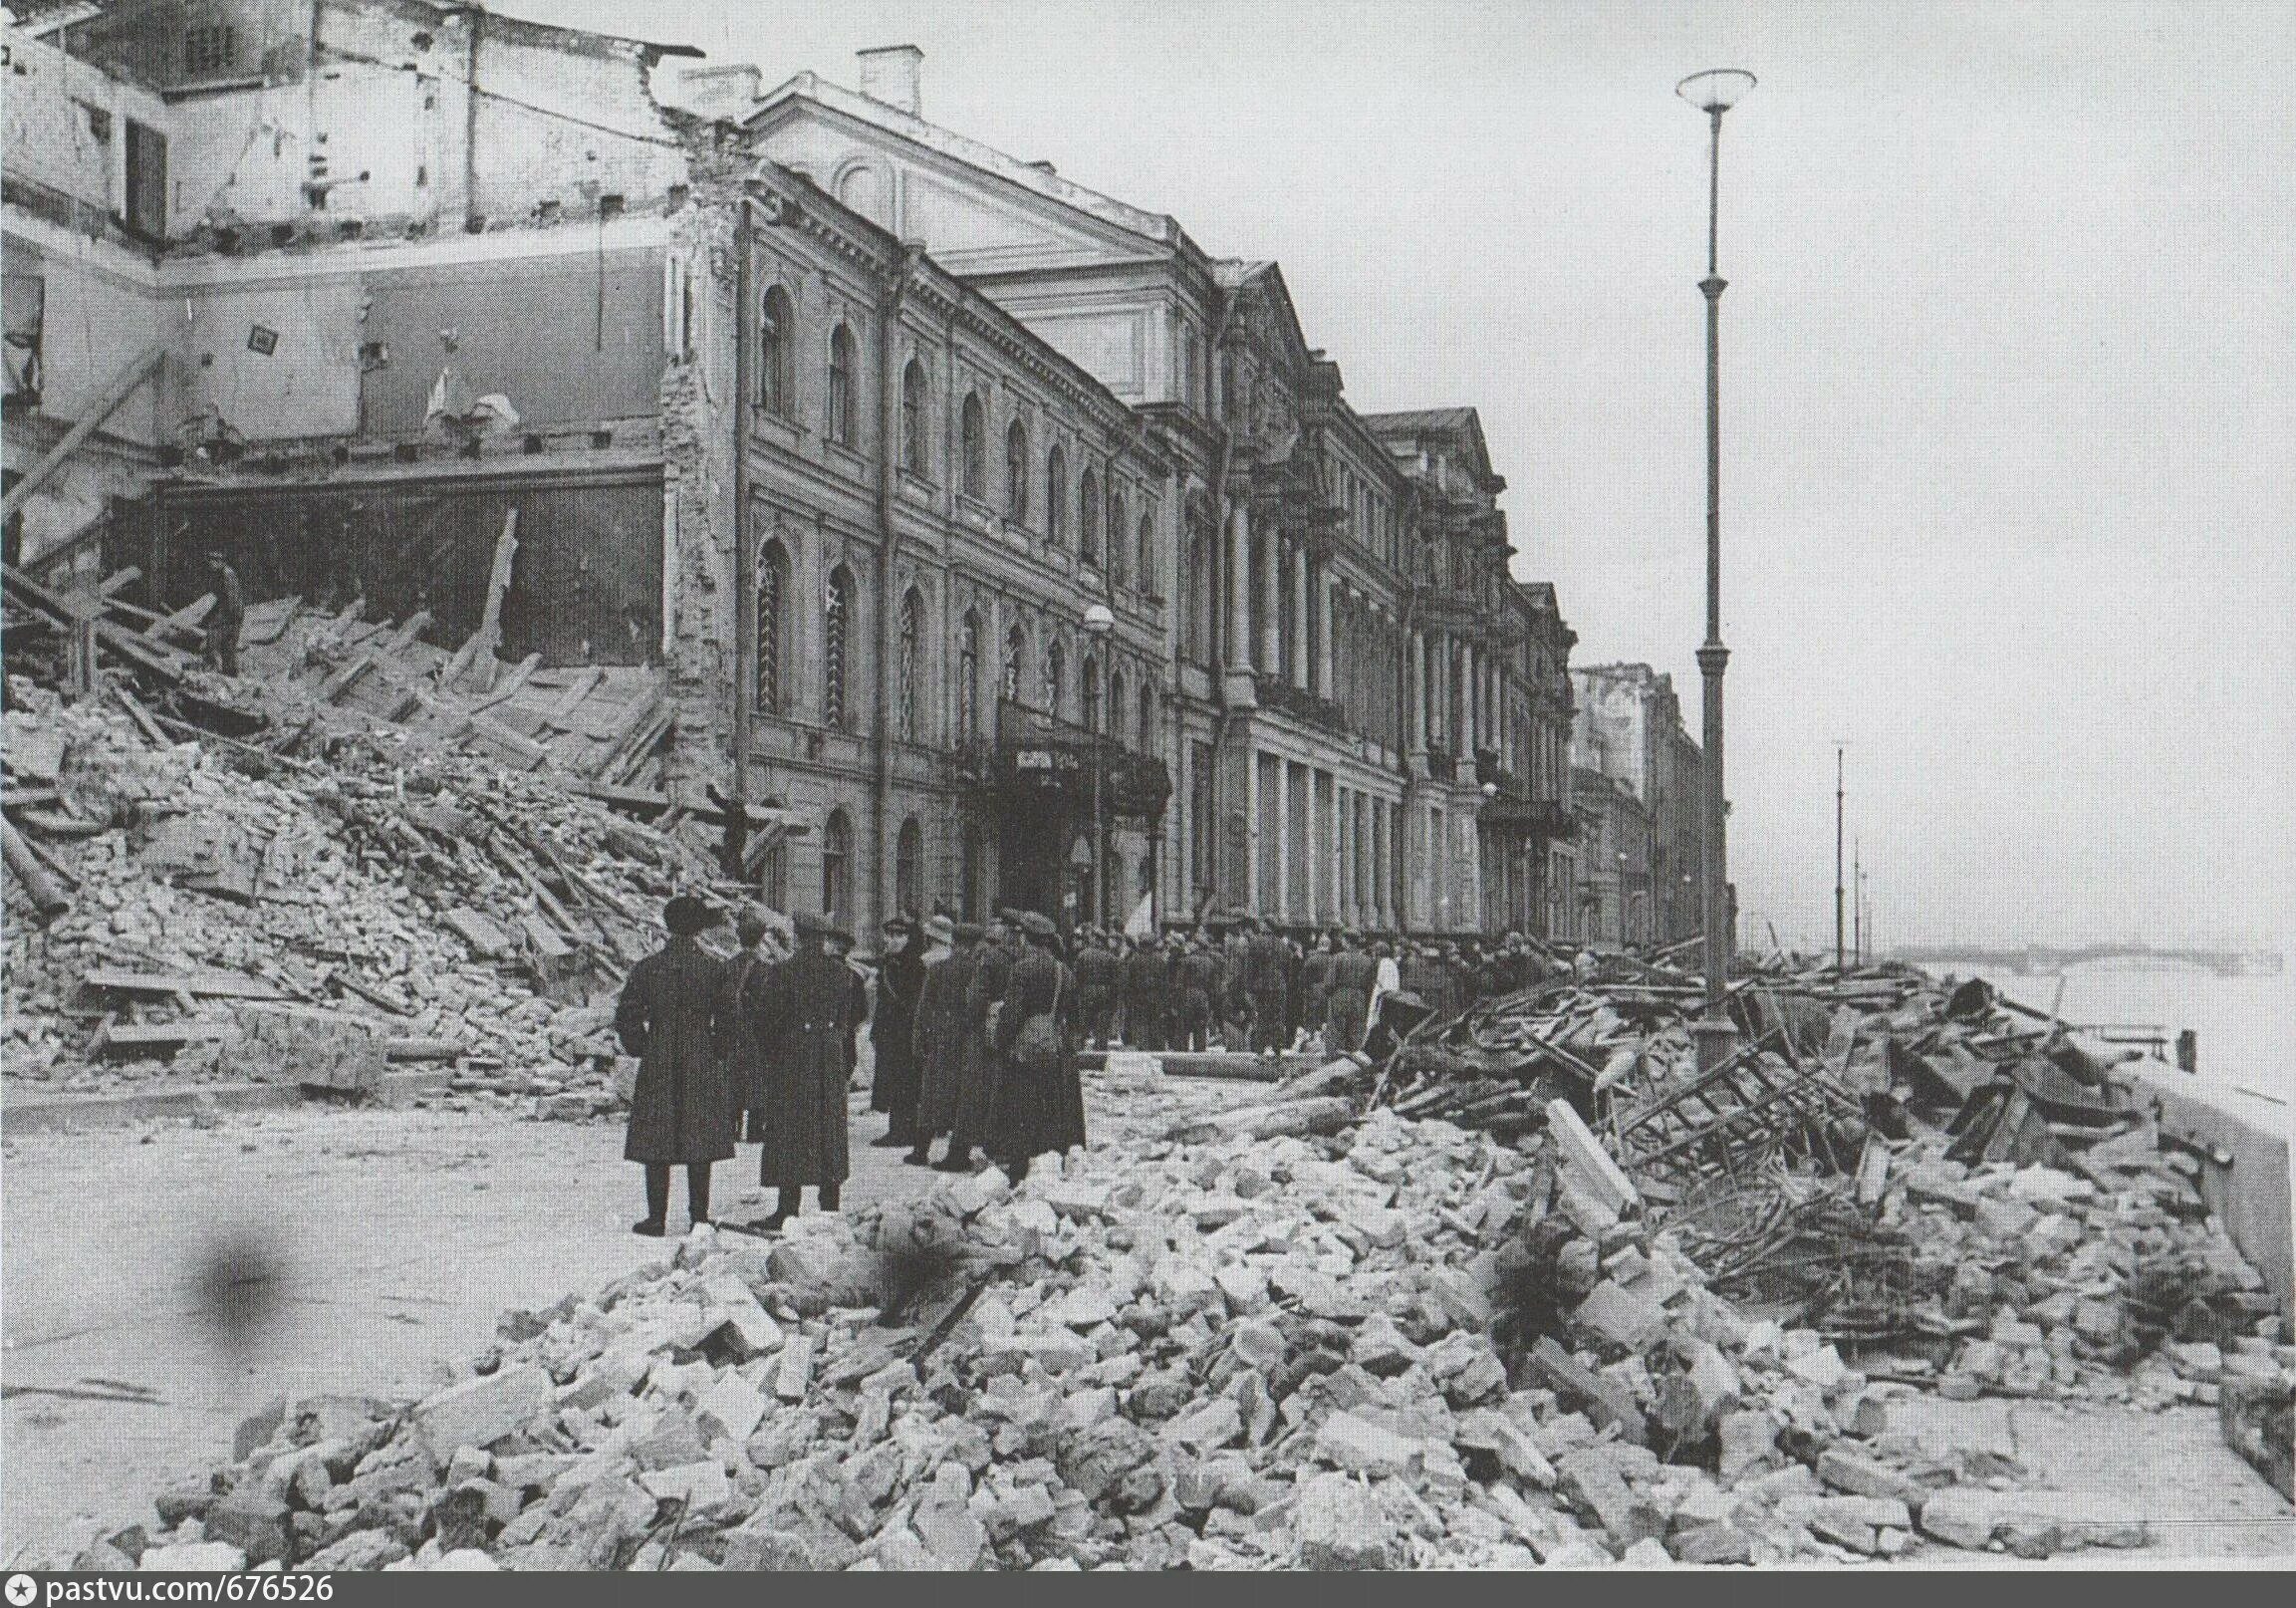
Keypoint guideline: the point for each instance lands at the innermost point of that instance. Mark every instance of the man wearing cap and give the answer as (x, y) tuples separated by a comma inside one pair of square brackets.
[(681, 1109), (1316, 984), (804, 1011), (1095, 986), (737, 1028), (1146, 974), (1038, 1108), (975, 1104), (892, 1033), (937, 1040), (1197, 974), (1235, 995), (1350, 999), (1267, 972)]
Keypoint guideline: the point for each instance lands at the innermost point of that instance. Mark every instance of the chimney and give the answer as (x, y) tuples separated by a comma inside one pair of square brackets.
[(893, 74)]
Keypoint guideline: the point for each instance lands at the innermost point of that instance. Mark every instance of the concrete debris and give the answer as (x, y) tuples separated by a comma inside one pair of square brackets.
[(391, 907), (1210, 1352)]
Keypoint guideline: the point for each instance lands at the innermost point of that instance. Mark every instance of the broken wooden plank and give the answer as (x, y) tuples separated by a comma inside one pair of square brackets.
[(39, 883), (559, 715), (481, 933), (150, 1037), (1587, 1158), (185, 619), (139, 715), (204, 984), (367, 658)]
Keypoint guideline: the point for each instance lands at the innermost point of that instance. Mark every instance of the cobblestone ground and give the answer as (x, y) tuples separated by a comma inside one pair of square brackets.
[(356, 1245)]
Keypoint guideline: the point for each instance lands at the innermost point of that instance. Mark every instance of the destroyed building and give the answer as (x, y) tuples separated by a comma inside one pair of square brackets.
[(1627, 725), (444, 314)]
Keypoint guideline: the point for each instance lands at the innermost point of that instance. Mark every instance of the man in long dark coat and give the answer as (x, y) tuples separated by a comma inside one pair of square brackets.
[(1097, 964), (681, 1110), (1146, 980), (1038, 1109), (803, 1010), (936, 1039), (1267, 977), (1196, 979), (892, 1033), (975, 1104), (1235, 1002), (1316, 984), (744, 1052), (1352, 973)]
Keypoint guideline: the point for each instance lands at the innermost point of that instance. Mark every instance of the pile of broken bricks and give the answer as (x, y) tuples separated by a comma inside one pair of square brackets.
[(226, 926), (1205, 1345)]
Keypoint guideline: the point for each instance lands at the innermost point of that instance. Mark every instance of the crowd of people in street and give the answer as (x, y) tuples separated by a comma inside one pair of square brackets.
[(975, 1029)]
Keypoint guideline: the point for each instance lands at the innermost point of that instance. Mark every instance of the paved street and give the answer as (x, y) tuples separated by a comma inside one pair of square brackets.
[(396, 1238)]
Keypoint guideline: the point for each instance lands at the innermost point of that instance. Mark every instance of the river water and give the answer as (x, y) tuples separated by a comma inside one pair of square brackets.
[(2246, 1025)]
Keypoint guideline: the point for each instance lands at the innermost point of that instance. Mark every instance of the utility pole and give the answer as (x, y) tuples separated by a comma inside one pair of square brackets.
[(1838, 795)]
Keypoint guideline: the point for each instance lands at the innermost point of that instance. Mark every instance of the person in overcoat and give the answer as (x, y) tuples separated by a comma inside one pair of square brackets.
[(738, 1032), (936, 1038), (1350, 998), (802, 1011), (1267, 980), (1037, 1109), (1196, 978), (1098, 958), (681, 1109), (975, 1104), (1315, 983), (1147, 983), (892, 1032)]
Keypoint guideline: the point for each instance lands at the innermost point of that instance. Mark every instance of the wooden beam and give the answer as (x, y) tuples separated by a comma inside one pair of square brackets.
[(121, 385)]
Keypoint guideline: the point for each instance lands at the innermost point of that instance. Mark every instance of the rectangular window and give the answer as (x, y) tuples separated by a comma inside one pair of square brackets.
[(209, 50), (1201, 824)]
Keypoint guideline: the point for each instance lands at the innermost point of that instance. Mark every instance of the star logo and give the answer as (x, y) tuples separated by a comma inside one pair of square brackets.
[(22, 1588)]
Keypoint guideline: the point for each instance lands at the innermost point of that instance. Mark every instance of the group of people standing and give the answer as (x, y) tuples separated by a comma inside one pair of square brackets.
[(1236, 983), (972, 1038)]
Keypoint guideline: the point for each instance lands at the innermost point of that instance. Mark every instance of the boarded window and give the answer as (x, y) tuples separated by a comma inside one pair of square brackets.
[(835, 640), (772, 624), (912, 652), (968, 677), (146, 180), (916, 442)]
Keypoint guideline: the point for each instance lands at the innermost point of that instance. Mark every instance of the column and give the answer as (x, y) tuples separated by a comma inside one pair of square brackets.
[(1343, 881), (1312, 850), (1271, 658), (1300, 663), (1324, 635), (1280, 897), (1383, 862), (1251, 899), (1239, 578), (1419, 667)]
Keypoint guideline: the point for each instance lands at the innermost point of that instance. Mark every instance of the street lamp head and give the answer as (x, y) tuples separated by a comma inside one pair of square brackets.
[(1491, 789), (1717, 90), (1100, 620)]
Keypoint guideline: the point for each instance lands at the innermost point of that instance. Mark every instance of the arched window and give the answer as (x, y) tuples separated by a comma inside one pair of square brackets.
[(1055, 673), (1118, 711), (837, 868), (1016, 473), (908, 869), (1088, 516), (1147, 717), (1197, 590), (911, 654), (1118, 554), (975, 431), (969, 675), (1089, 693), (1056, 495), (916, 442), (772, 624), (836, 640), (841, 380), (774, 380), (1015, 650), (1144, 550)]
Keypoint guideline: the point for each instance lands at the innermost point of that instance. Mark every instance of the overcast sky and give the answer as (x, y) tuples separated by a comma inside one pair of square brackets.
[(2008, 397)]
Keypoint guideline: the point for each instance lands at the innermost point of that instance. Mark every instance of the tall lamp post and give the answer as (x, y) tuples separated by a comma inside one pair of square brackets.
[(1099, 620), (1714, 93), (1839, 796)]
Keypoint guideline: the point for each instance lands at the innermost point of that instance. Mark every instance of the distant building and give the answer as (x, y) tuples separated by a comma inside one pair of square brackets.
[(1628, 727), (1614, 844)]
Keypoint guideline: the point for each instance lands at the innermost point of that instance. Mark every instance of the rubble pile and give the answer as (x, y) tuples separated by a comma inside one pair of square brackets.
[(238, 915), (1274, 1336)]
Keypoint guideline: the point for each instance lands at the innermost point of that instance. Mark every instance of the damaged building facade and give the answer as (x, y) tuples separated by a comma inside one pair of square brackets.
[(1627, 729), (1029, 554)]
